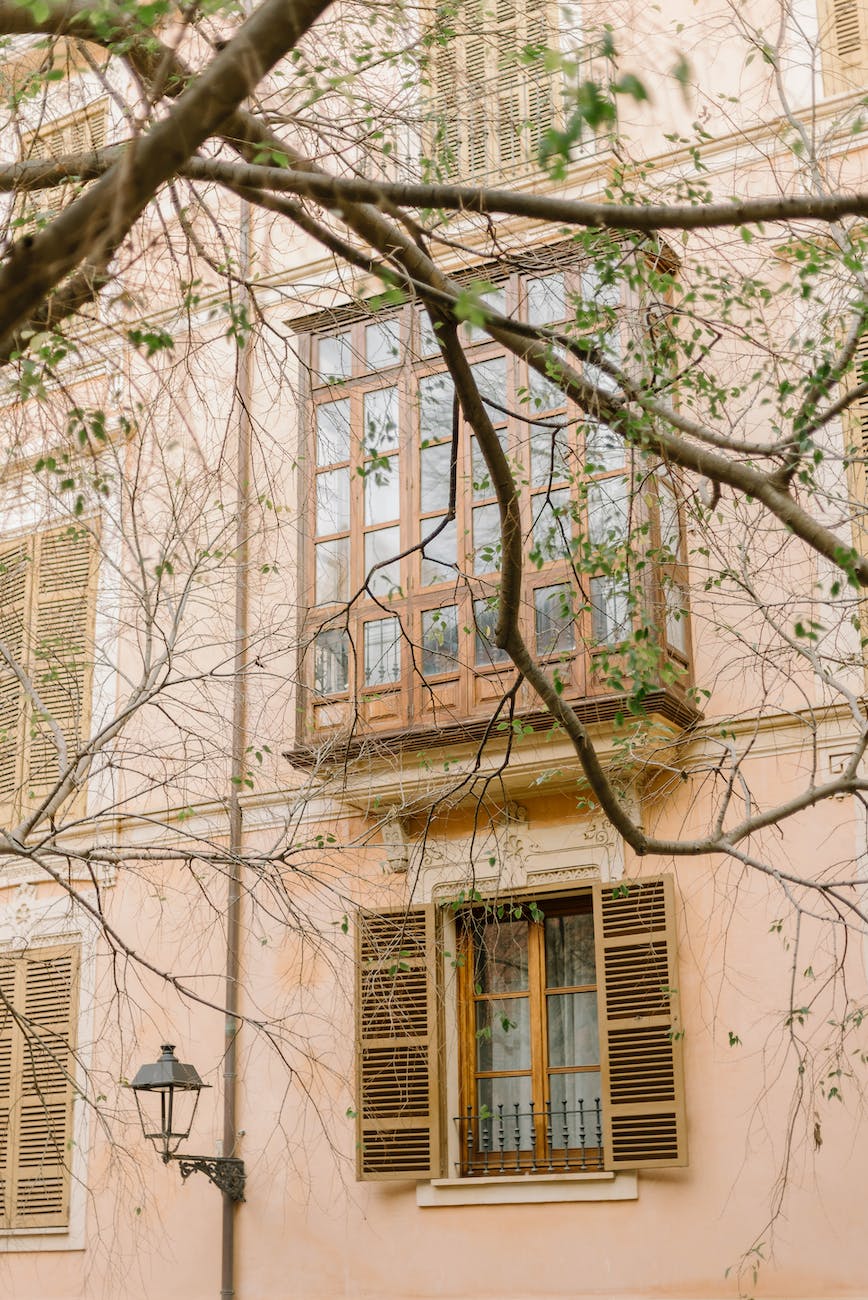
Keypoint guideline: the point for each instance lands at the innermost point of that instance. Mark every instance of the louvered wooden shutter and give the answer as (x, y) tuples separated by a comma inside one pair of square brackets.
[(14, 581), (492, 110), (7, 1024), (398, 1045), (644, 1124), (39, 1131), (60, 651), (844, 44)]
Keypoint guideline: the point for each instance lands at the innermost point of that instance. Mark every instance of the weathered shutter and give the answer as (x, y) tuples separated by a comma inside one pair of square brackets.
[(398, 1045), (44, 1106), (844, 44), (7, 1023), (60, 649), (38, 1132), (14, 570), (644, 1123)]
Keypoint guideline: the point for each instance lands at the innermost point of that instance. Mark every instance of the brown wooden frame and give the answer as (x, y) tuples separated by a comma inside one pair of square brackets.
[(537, 994), (471, 689)]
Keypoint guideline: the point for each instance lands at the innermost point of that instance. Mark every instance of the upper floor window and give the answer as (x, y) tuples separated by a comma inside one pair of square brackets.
[(47, 604), (495, 89), (403, 591), (76, 134), (843, 29)]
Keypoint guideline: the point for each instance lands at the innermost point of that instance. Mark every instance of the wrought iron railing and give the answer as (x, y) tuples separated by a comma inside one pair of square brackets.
[(551, 1140)]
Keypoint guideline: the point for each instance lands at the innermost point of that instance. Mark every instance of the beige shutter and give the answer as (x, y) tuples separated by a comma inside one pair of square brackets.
[(843, 44), (15, 568), (60, 653), (644, 1122), (398, 1045), (39, 1131), (7, 1024)]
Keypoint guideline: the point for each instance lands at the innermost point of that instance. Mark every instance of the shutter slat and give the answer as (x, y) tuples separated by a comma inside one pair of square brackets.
[(644, 1122), (398, 1045)]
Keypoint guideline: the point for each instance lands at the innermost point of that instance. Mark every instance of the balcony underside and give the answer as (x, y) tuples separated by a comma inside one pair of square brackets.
[(360, 755)]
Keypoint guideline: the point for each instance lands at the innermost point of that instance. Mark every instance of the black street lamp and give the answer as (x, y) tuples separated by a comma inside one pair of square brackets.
[(167, 1094)]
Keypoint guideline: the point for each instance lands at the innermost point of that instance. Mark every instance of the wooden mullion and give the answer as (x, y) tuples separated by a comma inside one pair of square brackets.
[(538, 1029)]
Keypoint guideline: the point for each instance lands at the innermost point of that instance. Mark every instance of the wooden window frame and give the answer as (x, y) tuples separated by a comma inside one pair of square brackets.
[(546, 1155), (471, 687)]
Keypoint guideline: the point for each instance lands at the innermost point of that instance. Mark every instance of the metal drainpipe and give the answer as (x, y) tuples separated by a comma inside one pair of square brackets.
[(238, 768)]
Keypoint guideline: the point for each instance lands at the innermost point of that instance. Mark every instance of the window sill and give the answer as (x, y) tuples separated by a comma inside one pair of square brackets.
[(528, 1189), (14, 1240)]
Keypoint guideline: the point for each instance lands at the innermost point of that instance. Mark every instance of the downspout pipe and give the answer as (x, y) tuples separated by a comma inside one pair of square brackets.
[(238, 766)]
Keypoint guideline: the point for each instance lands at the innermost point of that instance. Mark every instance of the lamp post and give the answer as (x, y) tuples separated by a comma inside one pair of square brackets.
[(167, 1095)]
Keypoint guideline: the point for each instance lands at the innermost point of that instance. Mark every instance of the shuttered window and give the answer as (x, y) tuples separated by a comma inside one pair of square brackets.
[(81, 133), (47, 599), (569, 1032), (843, 44), (38, 1007), (493, 100)]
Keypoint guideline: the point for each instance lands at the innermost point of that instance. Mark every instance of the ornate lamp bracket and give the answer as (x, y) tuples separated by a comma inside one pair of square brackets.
[(225, 1172)]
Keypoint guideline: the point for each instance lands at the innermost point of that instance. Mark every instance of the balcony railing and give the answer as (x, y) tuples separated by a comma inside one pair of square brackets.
[(509, 1140)]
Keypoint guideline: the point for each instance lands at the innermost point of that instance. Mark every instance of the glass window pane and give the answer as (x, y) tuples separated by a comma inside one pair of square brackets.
[(382, 651), (380, 548), (485, 616), (490, 379), (604, 449), (505, 1117), (549, 453), (575, 1110), (501, 956), (605, 383), (546, 299), (676, 616), (335, 357), (496, 300), (482, 484), (486, 539), (573, 1034), (428, 345), (600, 287), (669, 529), (440, 640), (381, 419), (439, 555), (436, 395), (436, 467), (382, 490), (555, 620), (332, 501), (333, 571), (503, 1034), (570, 957), (333, 432), (552, 525), (610, 611), (331, 662), (382, 343), (607, 511), (545, 393)]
